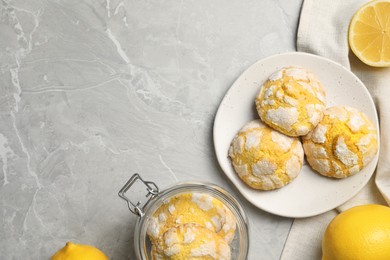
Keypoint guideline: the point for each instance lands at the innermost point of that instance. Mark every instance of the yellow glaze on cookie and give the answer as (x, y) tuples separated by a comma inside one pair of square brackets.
[(291, 101), (343, 142), (264, 158), (195, 208), (190, 241)]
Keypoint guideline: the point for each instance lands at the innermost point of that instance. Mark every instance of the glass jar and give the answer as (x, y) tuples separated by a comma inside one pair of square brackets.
[(155, 198)]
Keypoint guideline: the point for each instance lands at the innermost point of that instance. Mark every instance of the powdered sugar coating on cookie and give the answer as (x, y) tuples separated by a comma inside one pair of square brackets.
[(342, 144), (198, 208), (190, 241), (274, 161), (291, 101)]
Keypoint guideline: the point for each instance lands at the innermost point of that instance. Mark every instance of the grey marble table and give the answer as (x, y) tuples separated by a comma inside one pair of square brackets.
[(93, 91)]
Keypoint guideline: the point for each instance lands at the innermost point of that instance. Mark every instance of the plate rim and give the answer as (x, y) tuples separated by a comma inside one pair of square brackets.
[(314, 56)]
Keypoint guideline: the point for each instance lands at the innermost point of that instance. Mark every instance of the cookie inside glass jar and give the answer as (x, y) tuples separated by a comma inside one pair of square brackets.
[(206, 220), (190, 241)]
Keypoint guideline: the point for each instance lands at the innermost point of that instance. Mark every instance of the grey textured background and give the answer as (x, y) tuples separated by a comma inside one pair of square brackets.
[(93, 91)]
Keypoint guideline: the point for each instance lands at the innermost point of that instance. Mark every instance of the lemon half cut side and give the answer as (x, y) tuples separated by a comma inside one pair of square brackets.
[(369, 33)]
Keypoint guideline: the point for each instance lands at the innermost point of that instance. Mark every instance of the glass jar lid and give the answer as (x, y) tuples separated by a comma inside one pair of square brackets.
[(188, 219)]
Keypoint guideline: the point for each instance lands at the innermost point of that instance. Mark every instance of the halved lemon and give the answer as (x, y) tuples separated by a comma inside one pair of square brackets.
[(369, 33)]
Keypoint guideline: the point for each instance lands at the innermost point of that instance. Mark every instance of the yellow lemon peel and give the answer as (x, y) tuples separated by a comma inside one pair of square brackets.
[(359, 233), (72, 251)]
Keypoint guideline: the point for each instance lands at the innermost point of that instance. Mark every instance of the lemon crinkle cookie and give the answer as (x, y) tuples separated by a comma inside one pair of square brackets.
[(264, 158), (291, 101), (342, 143), (190, 241), (201, 209)]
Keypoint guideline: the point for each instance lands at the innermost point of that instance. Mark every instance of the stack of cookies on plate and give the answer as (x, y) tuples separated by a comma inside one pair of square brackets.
[(267, 153)]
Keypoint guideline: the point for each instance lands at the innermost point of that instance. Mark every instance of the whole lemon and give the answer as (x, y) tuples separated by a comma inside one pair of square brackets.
[(73, 251), (359, 233)]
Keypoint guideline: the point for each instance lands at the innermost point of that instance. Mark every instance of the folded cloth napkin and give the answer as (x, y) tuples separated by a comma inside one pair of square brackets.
[(323, 30)]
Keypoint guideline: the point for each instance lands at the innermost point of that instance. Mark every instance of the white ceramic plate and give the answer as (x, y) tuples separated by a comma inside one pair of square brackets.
[(310, 193)]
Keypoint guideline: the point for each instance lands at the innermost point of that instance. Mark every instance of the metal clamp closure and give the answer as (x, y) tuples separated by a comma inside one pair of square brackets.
[(137, 208)]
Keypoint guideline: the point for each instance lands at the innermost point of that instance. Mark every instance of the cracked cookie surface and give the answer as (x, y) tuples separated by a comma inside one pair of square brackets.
[(201, 209), (190, 241), (342, 144), (291, 101), (264, 158)]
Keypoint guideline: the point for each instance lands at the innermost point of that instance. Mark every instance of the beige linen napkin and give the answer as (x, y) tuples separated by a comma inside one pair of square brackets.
[(323, 30)]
